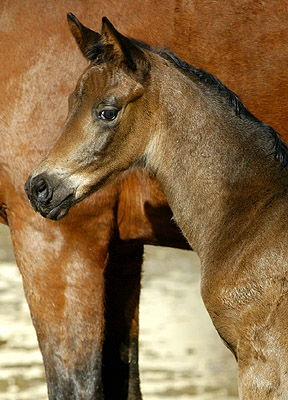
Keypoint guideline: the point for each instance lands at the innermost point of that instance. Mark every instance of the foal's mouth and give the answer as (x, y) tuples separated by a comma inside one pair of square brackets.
[(54, 212), (60, 210)]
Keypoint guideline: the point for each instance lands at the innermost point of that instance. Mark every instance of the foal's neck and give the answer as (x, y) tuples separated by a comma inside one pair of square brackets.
[(211, 163)]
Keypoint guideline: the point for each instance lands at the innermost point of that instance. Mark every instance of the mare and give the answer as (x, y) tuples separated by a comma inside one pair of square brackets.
[(71, 266), (221, 169)]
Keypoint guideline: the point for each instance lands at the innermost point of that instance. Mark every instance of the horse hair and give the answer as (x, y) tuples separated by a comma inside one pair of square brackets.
[(279, 148)]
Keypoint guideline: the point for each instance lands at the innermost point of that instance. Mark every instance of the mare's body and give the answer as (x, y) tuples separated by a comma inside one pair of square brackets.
[(222, 172), (62, 263)]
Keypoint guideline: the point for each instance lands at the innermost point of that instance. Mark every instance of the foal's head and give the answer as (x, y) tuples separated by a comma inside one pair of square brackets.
[(107, 123)]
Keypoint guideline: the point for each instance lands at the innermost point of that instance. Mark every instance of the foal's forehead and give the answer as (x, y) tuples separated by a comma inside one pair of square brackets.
[(102, 76)]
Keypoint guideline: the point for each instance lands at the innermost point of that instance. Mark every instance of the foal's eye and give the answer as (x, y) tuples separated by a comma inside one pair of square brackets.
[(108, 114)]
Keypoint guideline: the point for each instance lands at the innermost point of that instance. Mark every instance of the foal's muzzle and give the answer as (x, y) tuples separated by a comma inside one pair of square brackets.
[(49, 195)]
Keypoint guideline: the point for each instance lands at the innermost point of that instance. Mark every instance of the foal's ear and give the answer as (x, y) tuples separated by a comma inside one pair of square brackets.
[(84, 36), (123, 49)]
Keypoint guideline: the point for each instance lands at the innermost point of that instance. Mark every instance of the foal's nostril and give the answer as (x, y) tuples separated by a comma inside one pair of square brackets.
[(41, 190)]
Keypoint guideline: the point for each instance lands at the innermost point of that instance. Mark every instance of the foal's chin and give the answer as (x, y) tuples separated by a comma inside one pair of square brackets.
[(57, 211)]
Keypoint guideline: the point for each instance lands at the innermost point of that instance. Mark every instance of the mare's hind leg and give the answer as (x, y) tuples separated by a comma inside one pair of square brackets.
[(120, 350)]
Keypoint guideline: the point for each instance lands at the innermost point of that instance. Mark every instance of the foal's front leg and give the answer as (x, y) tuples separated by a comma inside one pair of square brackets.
[(249, 311)]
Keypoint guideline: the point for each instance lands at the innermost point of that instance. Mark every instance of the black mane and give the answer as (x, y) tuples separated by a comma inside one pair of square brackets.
[(279, 148), (209, 80)]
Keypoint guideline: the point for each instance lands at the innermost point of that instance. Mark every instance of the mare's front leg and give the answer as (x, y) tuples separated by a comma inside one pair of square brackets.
[(63, 268)]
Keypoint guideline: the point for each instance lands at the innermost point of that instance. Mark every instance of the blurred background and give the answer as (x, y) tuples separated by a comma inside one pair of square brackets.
[(181, 355)]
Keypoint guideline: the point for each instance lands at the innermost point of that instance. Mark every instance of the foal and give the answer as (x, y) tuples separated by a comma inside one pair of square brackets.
[(221, 169)]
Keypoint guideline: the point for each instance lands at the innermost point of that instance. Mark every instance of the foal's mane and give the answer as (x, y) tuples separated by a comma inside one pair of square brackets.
[(279, 149)]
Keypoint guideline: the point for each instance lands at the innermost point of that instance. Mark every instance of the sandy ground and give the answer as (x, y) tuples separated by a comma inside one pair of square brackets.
[(181, 355)]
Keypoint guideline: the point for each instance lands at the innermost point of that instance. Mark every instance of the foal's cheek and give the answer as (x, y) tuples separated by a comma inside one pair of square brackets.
[(102, 141)]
